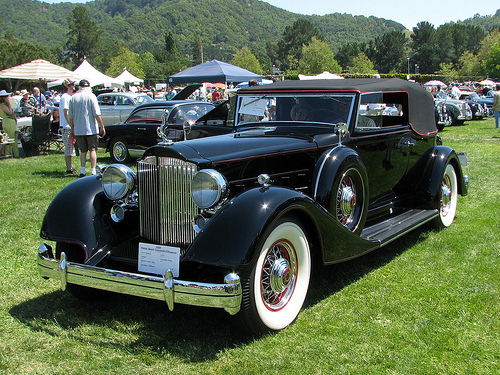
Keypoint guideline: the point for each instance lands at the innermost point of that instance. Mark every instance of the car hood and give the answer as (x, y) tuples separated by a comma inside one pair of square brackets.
[(240, 145)]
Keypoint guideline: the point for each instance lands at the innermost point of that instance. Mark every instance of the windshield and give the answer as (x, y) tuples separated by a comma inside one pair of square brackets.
[(330, 109)]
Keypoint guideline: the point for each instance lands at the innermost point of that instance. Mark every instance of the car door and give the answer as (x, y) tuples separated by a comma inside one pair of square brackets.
[(107, 106), (144, 124), (383, 139), (123, 106)]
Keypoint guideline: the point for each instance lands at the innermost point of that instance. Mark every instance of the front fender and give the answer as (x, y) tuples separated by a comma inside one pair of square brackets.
[(232, 236), (70, 216)]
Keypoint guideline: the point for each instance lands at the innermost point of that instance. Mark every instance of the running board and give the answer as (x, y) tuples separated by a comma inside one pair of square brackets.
[(391, 229)]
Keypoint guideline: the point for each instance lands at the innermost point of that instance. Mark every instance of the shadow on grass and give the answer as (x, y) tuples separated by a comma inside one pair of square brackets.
[(192, 333), (333, 278)]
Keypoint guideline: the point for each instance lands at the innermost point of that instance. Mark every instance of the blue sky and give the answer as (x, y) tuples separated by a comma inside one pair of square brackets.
[(408, 13)]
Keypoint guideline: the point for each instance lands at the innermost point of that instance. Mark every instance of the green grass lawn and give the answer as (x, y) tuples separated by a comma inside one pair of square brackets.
[(428, 303)]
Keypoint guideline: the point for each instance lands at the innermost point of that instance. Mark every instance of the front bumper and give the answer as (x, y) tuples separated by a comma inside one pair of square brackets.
[(168, 289)]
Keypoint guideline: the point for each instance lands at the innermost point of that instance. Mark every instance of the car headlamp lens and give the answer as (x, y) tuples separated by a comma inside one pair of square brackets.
[(208, 188), (118, 181)]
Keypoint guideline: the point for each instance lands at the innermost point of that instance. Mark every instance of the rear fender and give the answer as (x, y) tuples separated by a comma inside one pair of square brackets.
[(71, 215), (427, 173)]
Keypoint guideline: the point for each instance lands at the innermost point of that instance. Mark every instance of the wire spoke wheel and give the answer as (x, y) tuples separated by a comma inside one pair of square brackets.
[(275, 291)]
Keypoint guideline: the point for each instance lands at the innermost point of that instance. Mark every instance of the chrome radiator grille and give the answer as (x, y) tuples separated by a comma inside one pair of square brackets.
[(165, 205)]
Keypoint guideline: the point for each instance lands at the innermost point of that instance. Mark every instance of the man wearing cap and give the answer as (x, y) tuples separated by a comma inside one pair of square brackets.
[(86, 124), (69, 150)]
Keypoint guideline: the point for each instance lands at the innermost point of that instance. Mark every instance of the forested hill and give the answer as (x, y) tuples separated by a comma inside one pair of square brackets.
[(224, 26)]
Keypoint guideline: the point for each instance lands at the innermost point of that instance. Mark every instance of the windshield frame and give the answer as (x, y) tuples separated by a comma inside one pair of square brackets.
[(279, 108)]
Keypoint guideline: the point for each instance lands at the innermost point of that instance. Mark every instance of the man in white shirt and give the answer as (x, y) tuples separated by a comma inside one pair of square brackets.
[(86, 124), (69, 149)]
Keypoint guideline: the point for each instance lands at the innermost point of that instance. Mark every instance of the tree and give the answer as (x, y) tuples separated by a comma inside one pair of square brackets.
[(317, 57), (361, 64), (346, 53), (197, 50), (488, 42), (469, 65), (83, 35), (447, 69), (246, 59), (126, 59), (152, 68), (492, 63), (294, 37), (426, 48), (388, 52)]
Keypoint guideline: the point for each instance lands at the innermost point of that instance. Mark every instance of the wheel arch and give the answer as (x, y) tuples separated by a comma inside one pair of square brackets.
[(329, 169), (70, 216), (425, 176)]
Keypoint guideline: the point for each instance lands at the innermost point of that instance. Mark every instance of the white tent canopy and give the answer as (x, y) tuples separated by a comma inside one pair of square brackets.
[(324, 75), (91, 74), (127, 77)]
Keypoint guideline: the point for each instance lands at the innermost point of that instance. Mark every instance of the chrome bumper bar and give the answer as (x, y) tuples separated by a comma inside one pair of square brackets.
[(168, 289)]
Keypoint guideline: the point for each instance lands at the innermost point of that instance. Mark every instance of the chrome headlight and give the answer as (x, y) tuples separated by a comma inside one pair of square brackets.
[(118, 181), (208, 188)]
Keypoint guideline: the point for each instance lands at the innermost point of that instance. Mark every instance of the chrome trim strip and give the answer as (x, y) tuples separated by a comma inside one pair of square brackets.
[(227, 296)]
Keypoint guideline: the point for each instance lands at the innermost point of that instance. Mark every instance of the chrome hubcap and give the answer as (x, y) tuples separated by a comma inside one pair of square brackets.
[(346, 201), (119, 150), (445, 196), (279, 274)]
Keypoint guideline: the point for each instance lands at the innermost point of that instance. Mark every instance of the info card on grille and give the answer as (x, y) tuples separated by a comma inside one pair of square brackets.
[(158, 258)]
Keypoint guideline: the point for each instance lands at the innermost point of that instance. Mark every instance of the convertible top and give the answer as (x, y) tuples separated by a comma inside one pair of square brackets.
[(421, 103)]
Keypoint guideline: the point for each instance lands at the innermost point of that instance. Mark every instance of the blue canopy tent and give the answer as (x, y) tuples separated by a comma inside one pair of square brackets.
[(213, 71)]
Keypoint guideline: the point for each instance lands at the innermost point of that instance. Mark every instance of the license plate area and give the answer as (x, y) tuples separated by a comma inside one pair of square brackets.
[(156, 259)]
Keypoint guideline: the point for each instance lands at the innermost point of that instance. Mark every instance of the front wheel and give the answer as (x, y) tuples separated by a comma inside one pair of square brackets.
[(275, 291), (119, 151), (448, 197)]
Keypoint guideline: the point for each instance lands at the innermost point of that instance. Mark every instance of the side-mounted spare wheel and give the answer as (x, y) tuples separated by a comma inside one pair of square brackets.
[(275, 290), (349, 202)]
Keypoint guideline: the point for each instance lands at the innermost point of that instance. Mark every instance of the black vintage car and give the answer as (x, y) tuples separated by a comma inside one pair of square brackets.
[(129, 139), (315, 173)]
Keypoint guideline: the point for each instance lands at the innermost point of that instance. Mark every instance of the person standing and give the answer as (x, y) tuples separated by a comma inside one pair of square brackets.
[(69, 149), (8, 120), (86, 124), (496, 106), (41, 101)]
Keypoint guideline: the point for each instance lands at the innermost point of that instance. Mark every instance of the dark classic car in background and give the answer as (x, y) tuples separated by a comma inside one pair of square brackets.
[(116, 106), (485, 102), (314, 172), (458, 110), (128, 140)]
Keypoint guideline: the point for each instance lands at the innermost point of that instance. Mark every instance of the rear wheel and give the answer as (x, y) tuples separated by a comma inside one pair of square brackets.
[(119, 150), (275, 291), (448, 197)]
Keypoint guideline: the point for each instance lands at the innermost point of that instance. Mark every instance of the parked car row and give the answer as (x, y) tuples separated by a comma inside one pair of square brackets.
[(451, 111), (307, 174)]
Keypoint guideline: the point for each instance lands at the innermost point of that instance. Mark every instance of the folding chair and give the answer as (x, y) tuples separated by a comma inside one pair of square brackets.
[(40, 130), (55, 138)]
